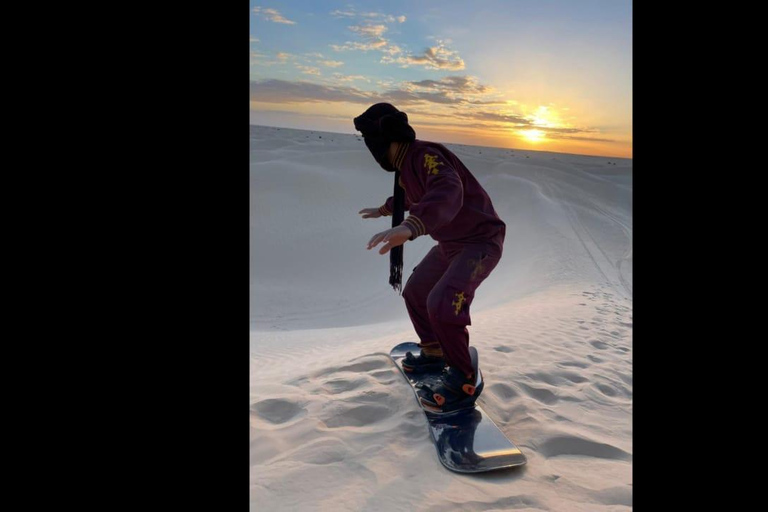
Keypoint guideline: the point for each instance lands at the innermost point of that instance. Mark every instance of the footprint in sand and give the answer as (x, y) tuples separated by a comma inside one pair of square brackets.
[(299, 382), (362, 366), (322, 451), (599, 344), (573, 377), (577, 364), (615, 496), (560, 445), (542, 395), (503, 391), (357, 416), (382, 372), (277, 410), (387, 376), (373, 396), (558, 378), (503, 349), (606, 390), (340, 385)]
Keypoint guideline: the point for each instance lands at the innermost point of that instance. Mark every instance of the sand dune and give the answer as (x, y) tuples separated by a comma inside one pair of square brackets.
[(334, 427)]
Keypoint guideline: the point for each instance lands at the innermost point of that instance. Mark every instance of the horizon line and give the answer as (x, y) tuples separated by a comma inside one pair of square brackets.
[(452, 143)]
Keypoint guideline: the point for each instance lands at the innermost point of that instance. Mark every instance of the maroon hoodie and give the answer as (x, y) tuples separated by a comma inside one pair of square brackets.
[(444, 199)]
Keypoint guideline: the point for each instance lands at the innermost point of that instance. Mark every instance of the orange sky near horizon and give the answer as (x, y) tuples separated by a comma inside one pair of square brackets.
[(310, 117)]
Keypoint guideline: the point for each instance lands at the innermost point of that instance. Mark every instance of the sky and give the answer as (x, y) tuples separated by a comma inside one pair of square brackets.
[(521, 74)]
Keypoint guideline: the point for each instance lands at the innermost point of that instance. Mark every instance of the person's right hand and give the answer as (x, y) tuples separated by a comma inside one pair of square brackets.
[(370, 213)]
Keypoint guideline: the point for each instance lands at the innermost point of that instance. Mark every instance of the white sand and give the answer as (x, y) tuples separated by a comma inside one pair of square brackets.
[(334, 426)]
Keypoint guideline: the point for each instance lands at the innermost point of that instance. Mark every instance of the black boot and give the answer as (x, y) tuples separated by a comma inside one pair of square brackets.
[(430, 359), (454, 392)]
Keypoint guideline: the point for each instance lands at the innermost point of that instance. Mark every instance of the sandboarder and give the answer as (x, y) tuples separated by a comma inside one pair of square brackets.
[(446, 202)]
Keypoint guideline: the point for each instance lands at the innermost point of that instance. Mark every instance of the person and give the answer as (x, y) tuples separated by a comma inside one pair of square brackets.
[(445, 201)]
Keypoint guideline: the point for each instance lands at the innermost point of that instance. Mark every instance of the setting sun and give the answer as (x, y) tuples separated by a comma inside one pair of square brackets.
[(532, 135)]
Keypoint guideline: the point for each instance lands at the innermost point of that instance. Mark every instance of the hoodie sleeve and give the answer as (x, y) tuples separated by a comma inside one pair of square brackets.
[(389, 205), (443, 196)]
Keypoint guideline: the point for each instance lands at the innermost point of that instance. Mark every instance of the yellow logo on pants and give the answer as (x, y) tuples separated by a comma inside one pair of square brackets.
[(460, 300)]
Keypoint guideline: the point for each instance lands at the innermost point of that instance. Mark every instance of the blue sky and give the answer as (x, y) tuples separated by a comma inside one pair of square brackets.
[(549, 75)]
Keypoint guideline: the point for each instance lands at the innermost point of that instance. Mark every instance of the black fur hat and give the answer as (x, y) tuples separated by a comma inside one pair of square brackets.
[(381, 125), (384, 120)]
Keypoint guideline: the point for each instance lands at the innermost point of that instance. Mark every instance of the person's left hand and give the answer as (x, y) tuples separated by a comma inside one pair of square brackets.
[(392, 238)]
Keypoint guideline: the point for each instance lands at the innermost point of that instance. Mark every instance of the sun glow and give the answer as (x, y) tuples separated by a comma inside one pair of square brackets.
[(543, 116), (532, 135), (540, 119)]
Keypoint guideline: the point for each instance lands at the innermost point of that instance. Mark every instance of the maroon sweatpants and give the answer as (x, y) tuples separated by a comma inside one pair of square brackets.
[(439, 292)]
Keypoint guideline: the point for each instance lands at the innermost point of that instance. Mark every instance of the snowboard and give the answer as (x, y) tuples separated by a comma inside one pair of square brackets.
[(467, 441)]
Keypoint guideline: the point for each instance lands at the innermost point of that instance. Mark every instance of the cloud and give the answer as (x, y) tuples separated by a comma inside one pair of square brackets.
[(465, 90), (408, 95), (566, 133), (502, 118), (372, 36), (430, 113), (277, 91), (308, 70), (259, 59), (403, 97), (343, 14), (392, 49), (352, 45), (369, 31), (282, 56), (331, 63), (434, 57), (283, 91), (377, 16), (487, 102), (254, 39), (486, 127), (587, 139), (554, 129), (272, 15), (459, 84), (349, 78)]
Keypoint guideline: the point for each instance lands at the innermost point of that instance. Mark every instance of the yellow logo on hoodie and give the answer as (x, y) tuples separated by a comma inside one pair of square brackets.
[(431, 163)]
